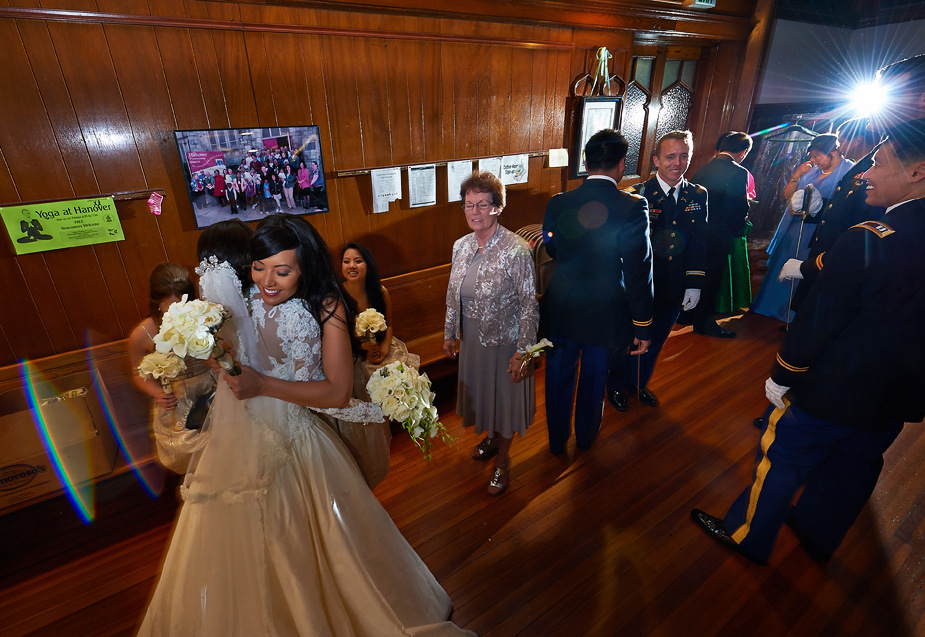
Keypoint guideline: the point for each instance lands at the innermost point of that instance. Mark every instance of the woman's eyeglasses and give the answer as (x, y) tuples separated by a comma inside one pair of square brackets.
[(482, 206)]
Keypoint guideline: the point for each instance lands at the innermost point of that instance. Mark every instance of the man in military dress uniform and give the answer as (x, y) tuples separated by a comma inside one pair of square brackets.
[(847, 375), (600, 294), (905, 81), (678, 231)]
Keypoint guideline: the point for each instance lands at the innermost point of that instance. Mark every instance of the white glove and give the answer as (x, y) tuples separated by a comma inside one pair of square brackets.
[(791, 270), (815, 201), (775, 393), (691, 299)]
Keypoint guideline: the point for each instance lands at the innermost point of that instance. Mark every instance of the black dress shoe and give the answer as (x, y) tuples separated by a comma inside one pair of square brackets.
[(710, 328), (646, 397), (617, 398), (759, 422), (713, 526)]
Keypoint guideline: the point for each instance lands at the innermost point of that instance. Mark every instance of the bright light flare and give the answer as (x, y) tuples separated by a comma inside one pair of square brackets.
[(868, 99)]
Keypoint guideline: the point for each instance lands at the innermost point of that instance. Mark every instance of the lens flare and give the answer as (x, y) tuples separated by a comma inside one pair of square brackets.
[(122, 406), (56, 428), (868, 99)]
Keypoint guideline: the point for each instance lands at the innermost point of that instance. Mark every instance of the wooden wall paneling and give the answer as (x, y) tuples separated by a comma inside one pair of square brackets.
[(431, 83), (149, 239), (416, 67), (500, 108), (522, 106), (467, 61), (56, 109), (7, 355), (256, 46), (448, 96), (753, 62), (398, 73), (343, 94), (181, 73), (166, 8), (243, 86), (131, 7), (287, 78), (94, 91), (373, 95), (210, 78), (70, 5), (697, 119)]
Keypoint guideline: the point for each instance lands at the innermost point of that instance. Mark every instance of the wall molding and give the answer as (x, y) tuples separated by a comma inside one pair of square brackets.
[(63, 15)]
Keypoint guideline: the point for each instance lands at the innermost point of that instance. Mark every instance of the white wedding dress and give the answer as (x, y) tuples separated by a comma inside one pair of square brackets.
[(279, 533)]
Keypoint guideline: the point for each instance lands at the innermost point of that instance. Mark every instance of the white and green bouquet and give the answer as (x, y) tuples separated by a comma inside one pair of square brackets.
[(404, 395), (188, 329)]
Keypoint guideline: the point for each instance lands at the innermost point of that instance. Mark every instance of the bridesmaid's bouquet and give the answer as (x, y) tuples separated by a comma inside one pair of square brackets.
[(188, 329), (404, 396), (162, 367), (368, 322)]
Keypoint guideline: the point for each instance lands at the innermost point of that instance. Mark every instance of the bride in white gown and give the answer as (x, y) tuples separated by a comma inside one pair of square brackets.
[(279, 533)]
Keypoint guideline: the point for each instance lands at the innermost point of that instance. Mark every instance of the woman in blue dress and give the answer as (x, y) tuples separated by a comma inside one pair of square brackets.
[(823, 171)]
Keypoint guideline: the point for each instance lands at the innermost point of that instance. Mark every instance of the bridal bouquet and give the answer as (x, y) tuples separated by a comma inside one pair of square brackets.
[(404, 396), (368, 322), (533, 351), (162, 367), (188, 329)]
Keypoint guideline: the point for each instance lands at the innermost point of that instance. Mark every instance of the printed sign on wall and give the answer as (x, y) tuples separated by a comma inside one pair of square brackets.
[(61, 224)]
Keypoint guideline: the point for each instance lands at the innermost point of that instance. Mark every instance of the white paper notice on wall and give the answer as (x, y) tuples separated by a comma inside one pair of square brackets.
[(386, 187), (492, 165), (558, 157), (515, 169), (456, 173), (422, 185)]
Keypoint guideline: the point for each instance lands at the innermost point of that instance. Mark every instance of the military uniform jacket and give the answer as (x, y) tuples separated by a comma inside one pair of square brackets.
[(601, 290), (678, 231), (854, 354), (847, 207)]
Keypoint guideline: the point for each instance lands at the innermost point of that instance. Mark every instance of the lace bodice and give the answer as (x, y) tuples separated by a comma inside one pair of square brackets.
[(290, 336)]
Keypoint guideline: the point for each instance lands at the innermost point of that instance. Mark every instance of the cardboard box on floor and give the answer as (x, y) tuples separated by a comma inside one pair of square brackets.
[(77, 428)]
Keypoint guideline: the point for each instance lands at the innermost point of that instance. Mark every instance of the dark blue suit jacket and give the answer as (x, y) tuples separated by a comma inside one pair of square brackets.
[(601, 290)]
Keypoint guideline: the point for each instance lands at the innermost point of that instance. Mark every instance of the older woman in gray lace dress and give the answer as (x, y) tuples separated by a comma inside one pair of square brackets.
[(492, 314)]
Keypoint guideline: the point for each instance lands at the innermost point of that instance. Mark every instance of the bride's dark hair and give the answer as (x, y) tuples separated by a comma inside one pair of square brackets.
[(228, 241), (318, 284)]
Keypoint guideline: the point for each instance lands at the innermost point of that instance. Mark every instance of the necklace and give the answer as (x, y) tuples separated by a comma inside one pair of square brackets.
[(825, 174)]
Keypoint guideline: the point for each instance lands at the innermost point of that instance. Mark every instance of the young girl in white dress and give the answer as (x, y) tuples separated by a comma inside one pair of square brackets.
[(279, 534)]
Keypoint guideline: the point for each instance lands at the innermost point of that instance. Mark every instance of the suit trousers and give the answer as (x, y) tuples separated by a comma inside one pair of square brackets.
[(561, 372), (839, 466), (636, 371)]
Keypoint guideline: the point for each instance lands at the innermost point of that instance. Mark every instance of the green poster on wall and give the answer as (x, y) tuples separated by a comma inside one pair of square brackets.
[(61, 224)]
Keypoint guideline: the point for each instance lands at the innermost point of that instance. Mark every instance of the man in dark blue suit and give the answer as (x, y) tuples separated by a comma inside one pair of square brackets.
[(678, 230), (600, 295), (726, 182), (848, 374)]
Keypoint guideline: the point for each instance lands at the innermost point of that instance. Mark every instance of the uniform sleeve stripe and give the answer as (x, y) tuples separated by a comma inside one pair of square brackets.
[(789, 367), (696, 273), (819, 261), (642, 323)]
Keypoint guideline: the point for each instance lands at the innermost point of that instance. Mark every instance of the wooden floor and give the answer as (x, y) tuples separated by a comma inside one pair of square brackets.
[(593, 543)]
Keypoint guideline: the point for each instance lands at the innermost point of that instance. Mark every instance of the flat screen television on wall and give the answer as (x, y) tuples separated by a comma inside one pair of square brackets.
[(248, 173)]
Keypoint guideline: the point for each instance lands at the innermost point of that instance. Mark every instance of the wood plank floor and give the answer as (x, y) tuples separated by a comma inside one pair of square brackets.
[(593, 543)]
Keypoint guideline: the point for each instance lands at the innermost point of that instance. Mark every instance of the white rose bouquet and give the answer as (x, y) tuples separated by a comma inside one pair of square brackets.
[(404, 396), (162, 367), (368, 322), (533, 351), (188, 329)]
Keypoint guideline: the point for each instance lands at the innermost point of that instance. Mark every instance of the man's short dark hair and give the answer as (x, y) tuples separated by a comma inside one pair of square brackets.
[(605, 150), (908, 141), (733, 142)]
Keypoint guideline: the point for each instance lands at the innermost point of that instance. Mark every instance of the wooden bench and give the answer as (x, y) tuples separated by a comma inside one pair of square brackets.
[(418, 311)]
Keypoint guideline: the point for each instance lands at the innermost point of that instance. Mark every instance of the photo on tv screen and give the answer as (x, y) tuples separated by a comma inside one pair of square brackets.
[(249, 173)]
